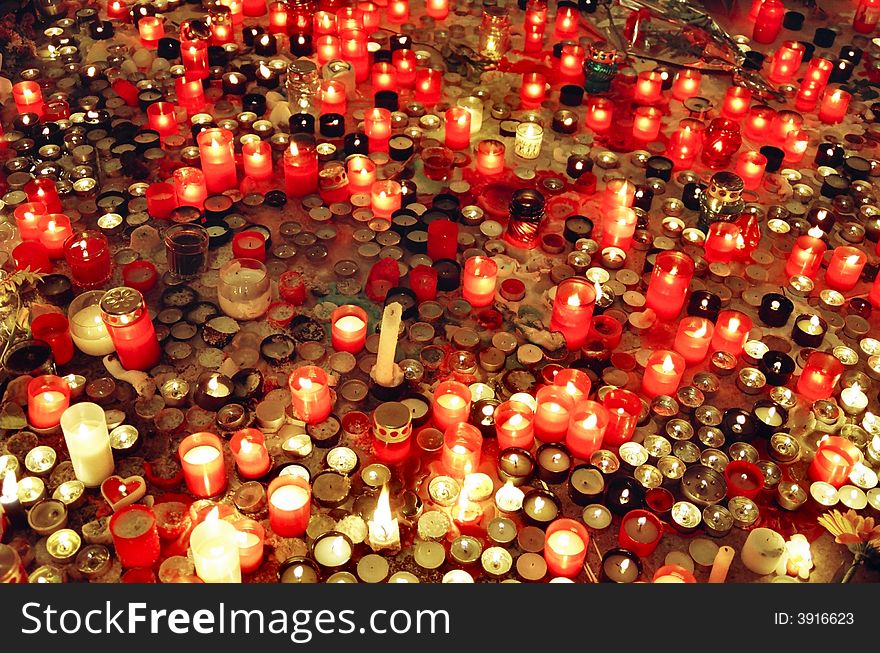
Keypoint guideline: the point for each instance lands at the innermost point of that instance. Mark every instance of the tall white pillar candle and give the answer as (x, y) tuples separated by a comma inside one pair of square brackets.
[(384, 372), (214, 545), (88, 442)]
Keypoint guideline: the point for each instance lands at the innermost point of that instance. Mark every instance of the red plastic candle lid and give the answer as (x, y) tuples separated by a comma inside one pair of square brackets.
[(623, 361), (513, 290)]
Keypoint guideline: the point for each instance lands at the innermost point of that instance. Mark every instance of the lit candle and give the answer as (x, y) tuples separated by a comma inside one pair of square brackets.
[(55, 229), (429, 85), (437, 9), (768, 22), (384, 77), (27, 219), (201, 457), (348, 328), (48, 397), (215, 550), (190, 94), (819, 377), (310, 394), (646, 123), (478, 281), (194, 57), (405, 62), (649, 87), (289, 505), (250, 245), (552, 414), (386, 372), (757, 123), (806, 255), (397, 11), (731, 332), (693, 338), (377, 127), (361, 173), (533, 90), (370, 15), (277, 17), (514, 425), (190, 187), (751, 166), (45, 191), (251, 537), (28, 97), (686, 84), (458, 128), (218, 159), (795, 146), (490, 157), (573, 311), (835, 102), (721, 241), (301, 167), (866, 17), (834, 461), (786, 61), (663, 373), (462, 445), (117, 10), (744, 479), (566, 26), (88, 442), (87, 329), (845, 268), (874, 295), (669, 284), (88, 255), (248, 447), (528, 141), (571, 61), (586, 428), (327, 48), (353, 44), (386, 197), (565, 547), (161, 117), (736, 102), (618, 228), (151, 29), (599, 113), (451, 404), (624, 408), (383, 530), (640, 532), (256, 157)]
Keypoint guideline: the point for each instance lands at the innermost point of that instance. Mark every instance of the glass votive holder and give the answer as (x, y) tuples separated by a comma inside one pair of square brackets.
[(244, 289), (186, 246)]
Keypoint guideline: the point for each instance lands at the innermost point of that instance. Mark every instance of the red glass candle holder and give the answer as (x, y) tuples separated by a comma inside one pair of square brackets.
[(845, 268), (577, 383), (256, 157), (194, 57), (55, 229), (310, 394), (731, 332), (835, 102), (397, 11), (348, 328), (566, 25), (674, 573), (786, 61), (490, 157), (820, 376), (128, 322), (532, 91), (301, 167), (618, 227), (571, 60), (514, 425), (462, 448), (553, 413), (201, 456), (721, 141), (248, 447), (451, 404), (28, 97), (866, 17), (405, 61), (640, 532), (190, 94), (599, 114), (751, 166), (736, 102), (27, 219), (573, 310), (44, 189), (31, 255), (54, 328), (327, 48), (251, 538), (693, 338), (721, 241), (141, 275), (586, 428), (663, 373), (292, 288), (442, 240), (384, 76), (161, 200), (607, 331), (649, 87), (795, 146), (768, 22), (290, 506), (217, 159), (162, 118), (478, 281), (135, 536), (377, 127), (669, 284), (47, 397), (386, 197), (458, 128), (806, 255), (189, 187), (834, 461), (686, 84), (428, 85), (624, 408), (249, 244), (88, 255), (646, 123), (565, 547), (423, 282), (744, 479), (437, 9), (757, 123), (783, 123)]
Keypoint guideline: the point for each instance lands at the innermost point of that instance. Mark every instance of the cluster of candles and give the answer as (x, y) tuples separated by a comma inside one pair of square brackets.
[(560, 430)]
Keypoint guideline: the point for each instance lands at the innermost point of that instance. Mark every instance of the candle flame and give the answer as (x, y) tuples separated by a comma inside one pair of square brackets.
[(598, 288), (305, 384), (668, 365), (590, 422), (264, 71), (573, 300), (10, 485), (814, 321), (733, 324), (815, 232), (641, 521), (382, 514), (853, 260), (515, 420), (294, 150), (571, 388), (212, 384), (701, 332), (213, 515), (245, 446)]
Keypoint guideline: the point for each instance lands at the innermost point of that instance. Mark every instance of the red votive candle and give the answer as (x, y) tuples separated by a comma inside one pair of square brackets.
[(451, 404), (866, 17), (256, 156), (327, 48), (348, 328), (28, 97), (575, 382), (251, 537), (377, 127), (429, 85), (194, 57), (361, 173), (353, 44), (571, 60), (292, 288), (757, 124), (478, 281), (201, 456), (55, 229), (490, 157), (47, 397), (744, 479), (721, 240), (693, 338), (731, 332), (325, 22), (462, 446), (686, 84), (736, 102), (44, 190), (663, 373), (140, 275), (190, 94), (834, 461), (350, 18), (151, 29), (249, 244), (751, 166), (565, 547), (624, 408), (599, 113), (649, 87), (405, 61), (437, 9), (786, 61), (217, 154), (423, 282), (397, 11), (88, 255), (669, 284), (768, 22), (310, 394), (31, 255), (386, 197), (514, 425), (278, 17), (618, 228), (553, 413), (118, 10), (248, 447), (640, 532), (189, 187), (442, 239), (290, 506), (586, 428), (820, 376), (27, 219), (835, 102), (300, 168), (808, 95), (795, 146), (845, 268), (458, 128), (135, 536), (533, 90), (161, 118), (573, 310), (54, 329), (566, 26), (646, 123), (384, 76), (806, 255)]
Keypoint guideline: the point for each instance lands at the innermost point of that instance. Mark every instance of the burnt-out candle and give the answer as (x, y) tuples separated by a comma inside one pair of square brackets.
[(775, 309), (302, 123)]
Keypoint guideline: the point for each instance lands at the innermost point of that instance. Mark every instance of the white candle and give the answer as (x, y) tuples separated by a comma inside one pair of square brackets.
[(332, 551), (89, 333), (509, 498), (215, 545), (245, 294), (565, 543), (384, 531), (386, 371), (474, 106), (762, 551), (88, 441), (853, 399)]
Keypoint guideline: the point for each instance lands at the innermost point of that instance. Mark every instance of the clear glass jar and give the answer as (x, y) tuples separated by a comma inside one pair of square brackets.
[(187, 248), (244, 289), (494, 33)]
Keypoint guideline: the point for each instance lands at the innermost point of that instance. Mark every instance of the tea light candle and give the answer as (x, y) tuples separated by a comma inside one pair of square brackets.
[(731, 332), (310, 394), (215, 550), (663, 373), (451, 404), (640, 532), (201, 456), (88, 442), (853, 400), (790, 496), (743, 479), (809, 331), (620, 566), (845, 268)]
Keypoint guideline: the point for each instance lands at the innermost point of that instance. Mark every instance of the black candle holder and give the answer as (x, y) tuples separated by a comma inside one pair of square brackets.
[(301, 45), (535, 509), (737, 425), (774, 156), (448, 274), (658, 167), (483, 416), (265, 45), (254, 102), (577, 227), (793, 20), (558, 453), (515, 466), (643, 198), (578, 165), (829, 154), (841, 72), (824, 37), (401, 148), (301, 123), (571, 95), (586, 485), (401, 42), (768, 417), (690, 195), (386, 100), (777, 367), (705, 304), (775, 309), (626, 561), (102, 30), (624, 493), (857, 168), (809, 331), (356, 143), (249, 35), (851, 53), (331, 125)]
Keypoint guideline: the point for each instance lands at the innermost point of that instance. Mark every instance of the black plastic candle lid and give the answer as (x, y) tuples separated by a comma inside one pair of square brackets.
[(577, 227), (168, 48), (834, 185), (754, 60), (851, 53), (217, 56), (774, 157), (857, 167), (571, 95), (448, 274), (658, 167), (809, 49), (386, 99), (824, 37), (794, 20)]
